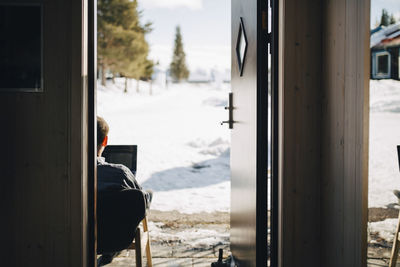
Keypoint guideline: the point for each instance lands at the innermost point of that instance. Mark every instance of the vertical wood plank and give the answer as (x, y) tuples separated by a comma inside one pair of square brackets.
[(42, 166), (300, 174), (325, 97), (332, 189), (345, 132)]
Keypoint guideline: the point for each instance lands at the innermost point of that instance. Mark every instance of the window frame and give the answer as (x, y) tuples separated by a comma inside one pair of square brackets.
[(375, 71)]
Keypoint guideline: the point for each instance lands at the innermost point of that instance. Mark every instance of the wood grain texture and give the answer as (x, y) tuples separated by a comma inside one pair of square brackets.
[(345, 126), (324, 161), (301, 138), (43, 167)]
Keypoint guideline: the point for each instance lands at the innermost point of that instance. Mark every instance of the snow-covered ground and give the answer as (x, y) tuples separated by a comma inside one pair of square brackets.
[(183, 151), (384, 174), (195, 237)]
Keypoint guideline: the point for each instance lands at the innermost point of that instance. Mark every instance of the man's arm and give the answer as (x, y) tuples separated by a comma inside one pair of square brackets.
[(130, 179), (132, 182)]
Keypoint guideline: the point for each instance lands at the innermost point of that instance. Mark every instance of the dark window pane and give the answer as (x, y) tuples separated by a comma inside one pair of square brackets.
[(20, 47), (383, 67)]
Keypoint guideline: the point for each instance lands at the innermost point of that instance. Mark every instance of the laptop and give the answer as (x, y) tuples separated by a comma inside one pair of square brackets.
[(122, 154)]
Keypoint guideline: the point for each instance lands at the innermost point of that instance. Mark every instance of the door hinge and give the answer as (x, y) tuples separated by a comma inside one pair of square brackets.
[(269, 38)]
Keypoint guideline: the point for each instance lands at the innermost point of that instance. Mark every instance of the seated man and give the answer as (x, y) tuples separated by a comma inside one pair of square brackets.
[(113, 177)]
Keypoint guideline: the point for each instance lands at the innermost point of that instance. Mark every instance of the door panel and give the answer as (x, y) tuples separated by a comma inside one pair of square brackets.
[(43, 164), (249, 136)]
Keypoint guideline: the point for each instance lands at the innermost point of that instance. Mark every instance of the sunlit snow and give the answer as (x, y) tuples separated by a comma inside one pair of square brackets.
[(183, 151)]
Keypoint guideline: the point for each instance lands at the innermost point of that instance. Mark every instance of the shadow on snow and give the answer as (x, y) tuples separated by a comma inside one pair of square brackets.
[(201, 174)]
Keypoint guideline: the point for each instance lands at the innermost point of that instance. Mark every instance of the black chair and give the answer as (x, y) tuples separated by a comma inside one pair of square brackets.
[(118, 216)]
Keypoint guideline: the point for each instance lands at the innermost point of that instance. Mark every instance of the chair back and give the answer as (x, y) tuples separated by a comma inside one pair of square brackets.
[(118, 215), (122, 154)]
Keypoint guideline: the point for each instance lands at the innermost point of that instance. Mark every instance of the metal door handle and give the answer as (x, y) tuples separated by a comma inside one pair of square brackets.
[(230, 107)]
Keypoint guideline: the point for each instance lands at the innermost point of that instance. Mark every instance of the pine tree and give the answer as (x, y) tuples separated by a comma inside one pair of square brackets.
[(122, 47), (133, 58), (178, 68), (384, 18), (392, 20), (147, 73)]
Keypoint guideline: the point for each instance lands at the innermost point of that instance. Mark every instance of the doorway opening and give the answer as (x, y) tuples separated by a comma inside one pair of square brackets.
[(384, 176), (166, 94)]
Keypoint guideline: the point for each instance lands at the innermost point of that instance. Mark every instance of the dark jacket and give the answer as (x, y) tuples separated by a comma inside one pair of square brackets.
[(121, 205), (117, 177), (114, 177)]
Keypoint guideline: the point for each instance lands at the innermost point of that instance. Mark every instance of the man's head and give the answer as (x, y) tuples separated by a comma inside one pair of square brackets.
[(102, 135)]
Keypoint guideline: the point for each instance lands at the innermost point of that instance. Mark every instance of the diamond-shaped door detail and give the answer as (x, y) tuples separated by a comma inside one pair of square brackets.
[(241, 46)]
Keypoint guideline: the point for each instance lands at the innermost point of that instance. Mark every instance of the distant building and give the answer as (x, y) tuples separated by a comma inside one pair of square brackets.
[(199, 76), (385, 52), (159, 76), (207, 76)]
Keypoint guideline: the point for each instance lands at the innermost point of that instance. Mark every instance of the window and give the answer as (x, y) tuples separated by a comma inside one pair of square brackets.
[(381, 65)]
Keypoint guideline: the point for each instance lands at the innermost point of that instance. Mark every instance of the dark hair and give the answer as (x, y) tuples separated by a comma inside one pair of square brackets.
[(102, 131)]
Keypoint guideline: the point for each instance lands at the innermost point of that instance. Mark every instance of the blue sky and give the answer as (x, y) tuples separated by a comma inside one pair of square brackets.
[(392, 6), (205, 26)]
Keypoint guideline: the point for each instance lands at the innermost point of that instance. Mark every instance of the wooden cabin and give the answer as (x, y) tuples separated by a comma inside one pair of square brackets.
[(385, 52)]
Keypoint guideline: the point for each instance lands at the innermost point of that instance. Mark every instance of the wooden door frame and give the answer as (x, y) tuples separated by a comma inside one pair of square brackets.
[(275, 132), (281, 116), (263, 40), (92, 133)]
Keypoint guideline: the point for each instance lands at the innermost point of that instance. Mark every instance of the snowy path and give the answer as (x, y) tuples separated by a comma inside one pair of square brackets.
[(183, 152)]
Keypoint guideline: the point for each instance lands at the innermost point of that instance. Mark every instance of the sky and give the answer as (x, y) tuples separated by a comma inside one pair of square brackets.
[(205, 27), (392, 6)]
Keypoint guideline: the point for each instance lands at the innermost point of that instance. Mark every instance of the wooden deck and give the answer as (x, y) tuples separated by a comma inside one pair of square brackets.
[(170, 249), (176, 256)]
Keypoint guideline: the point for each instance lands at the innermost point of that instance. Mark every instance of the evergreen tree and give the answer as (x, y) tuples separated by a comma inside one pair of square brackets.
[(392, 19), (147, 73), (121, 45), (385, 18), (133, 58), (178, 68)]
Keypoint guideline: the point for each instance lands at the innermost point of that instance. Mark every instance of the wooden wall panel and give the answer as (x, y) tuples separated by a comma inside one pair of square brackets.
[(345, 132), (332, 186), (42, 167), (301, 105), (324, 129)]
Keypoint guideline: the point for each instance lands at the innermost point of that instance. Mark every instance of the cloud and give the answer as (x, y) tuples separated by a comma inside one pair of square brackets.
[(191, 4)]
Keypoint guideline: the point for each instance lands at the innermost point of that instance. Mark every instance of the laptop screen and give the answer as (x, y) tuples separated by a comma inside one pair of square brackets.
[(122, 154)]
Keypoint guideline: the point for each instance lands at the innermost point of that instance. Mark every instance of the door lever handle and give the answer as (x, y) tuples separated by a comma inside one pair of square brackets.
[(230, 107)]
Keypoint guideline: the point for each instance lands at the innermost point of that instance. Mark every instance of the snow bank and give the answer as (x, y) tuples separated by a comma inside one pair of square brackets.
[(183, 151), (385, 229), (384, 136), (197, 238)]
